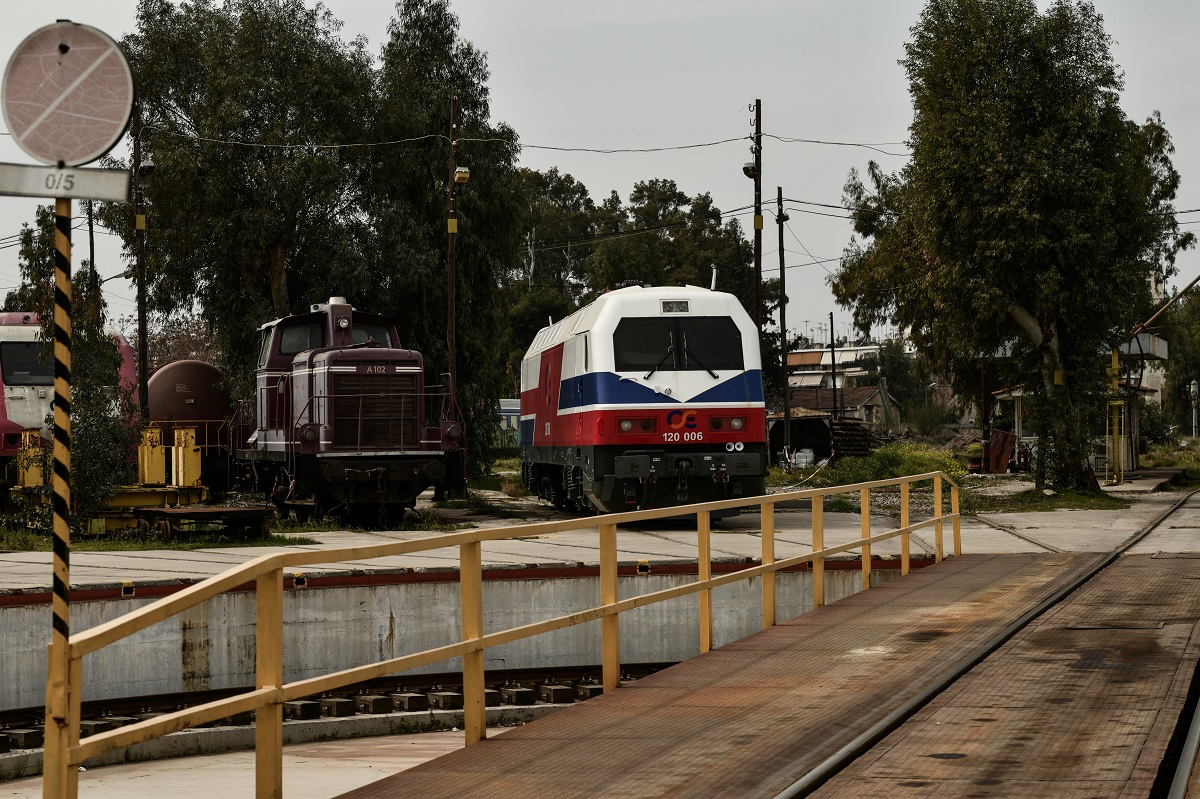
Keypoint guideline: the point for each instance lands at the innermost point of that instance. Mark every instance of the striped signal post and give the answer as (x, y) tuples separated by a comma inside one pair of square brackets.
[(61, 691), (67, 97)]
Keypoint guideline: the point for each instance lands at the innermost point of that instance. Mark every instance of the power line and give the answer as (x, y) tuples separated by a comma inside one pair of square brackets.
[(625, 149), (876, 148)]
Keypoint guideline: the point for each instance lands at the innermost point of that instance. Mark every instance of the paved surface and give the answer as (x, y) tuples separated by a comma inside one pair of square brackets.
[(315, 771), (734, 540), (310, 771)]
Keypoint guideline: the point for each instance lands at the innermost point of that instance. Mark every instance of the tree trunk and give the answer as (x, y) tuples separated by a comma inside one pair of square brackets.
[(1063, 448), (277, 271)]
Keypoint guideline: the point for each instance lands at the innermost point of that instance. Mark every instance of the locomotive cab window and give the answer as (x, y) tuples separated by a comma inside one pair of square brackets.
[(370, 330), (23, 365), (691, 344), (301, 337)]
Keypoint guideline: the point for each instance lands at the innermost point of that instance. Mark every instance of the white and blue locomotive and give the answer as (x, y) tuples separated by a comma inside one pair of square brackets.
[(649, 397)]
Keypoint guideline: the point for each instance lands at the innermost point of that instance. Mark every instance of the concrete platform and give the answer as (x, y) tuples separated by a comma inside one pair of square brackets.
[(310, 771), (26, 575)]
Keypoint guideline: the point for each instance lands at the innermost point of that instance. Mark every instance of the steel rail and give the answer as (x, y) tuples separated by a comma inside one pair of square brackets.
[(1187, 756), (841, 759)]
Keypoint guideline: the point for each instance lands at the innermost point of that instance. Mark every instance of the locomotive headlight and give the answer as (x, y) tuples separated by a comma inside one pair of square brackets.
[(729, 447), (626, 425), (343, 323), (737, 423), (454, 432), (309, 434), (739, 446)]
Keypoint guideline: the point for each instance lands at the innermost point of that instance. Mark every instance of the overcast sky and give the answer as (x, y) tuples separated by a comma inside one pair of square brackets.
[(668, 73)]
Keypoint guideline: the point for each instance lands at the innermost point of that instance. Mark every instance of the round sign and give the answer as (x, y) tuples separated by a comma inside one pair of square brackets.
[(68, 94)]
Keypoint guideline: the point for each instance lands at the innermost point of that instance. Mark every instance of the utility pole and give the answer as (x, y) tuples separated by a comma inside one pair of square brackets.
[(758, 217), (753, 170), (833, 364), (452, 234), (140, 255), (781, 217)]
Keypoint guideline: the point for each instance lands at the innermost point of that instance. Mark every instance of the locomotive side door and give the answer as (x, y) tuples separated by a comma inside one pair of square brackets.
[(579, 355)]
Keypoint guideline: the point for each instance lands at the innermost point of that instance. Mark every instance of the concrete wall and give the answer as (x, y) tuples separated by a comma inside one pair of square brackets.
[(327, 629)]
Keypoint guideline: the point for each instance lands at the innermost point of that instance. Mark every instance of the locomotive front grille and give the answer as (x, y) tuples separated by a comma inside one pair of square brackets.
[(375, 411)]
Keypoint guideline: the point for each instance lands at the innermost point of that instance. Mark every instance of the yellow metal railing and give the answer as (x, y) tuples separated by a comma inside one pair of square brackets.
[(64, 751)]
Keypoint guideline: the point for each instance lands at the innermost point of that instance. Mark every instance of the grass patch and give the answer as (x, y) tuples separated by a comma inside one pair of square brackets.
[(1171, 456), (504, 478), (1036, 501), (476, 505), (841, 503), (507, 465), (130, 540)]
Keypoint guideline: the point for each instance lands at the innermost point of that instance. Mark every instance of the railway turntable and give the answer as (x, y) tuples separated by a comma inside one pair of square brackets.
[(1084, 703)]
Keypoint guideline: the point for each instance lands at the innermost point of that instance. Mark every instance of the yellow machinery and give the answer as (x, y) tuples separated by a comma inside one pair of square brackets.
[(153, 490)]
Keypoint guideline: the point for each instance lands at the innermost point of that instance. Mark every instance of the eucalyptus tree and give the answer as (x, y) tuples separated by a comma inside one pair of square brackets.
[(254, 207), (1030, 218), (425, 68)]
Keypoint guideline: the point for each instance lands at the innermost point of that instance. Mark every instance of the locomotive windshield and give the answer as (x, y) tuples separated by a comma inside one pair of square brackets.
[(688, 344), (370, 330), (23, 365), (302, 337)]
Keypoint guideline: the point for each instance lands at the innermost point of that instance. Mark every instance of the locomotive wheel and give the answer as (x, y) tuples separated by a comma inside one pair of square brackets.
[(555, 494)]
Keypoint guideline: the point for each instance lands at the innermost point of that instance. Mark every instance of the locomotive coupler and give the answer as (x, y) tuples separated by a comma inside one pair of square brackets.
[(681, 487)]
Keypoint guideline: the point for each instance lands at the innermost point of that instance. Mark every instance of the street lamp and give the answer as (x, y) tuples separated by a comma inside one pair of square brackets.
[(1195, 393)]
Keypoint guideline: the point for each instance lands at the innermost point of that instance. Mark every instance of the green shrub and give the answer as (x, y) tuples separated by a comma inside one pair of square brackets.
[(891, 461)]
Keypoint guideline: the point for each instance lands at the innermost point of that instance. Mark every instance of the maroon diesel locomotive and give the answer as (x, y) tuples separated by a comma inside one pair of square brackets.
[(345, 420)]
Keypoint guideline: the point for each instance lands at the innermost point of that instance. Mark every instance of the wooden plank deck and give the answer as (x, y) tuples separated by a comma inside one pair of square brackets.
[(1080, 704), (749, 718)]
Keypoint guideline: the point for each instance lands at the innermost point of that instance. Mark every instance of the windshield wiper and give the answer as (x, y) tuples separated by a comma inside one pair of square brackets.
[(670, 351), (689, 354)]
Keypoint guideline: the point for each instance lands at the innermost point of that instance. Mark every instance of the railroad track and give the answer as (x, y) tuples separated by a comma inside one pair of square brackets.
[(1174, 771), (546, 686)]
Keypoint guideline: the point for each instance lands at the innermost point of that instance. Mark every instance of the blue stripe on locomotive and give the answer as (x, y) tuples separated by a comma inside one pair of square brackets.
[(606, 388)]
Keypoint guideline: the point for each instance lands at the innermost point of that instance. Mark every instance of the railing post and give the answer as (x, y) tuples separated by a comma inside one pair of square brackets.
[(937, 514), (864, 500), (818, 544), (610, 626), (904, 537), (957, 529), (704, 569), (768, 556), (470, 570), (268, 661)]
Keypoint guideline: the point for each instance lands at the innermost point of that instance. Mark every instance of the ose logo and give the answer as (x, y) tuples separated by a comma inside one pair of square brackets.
[(678, 419)]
